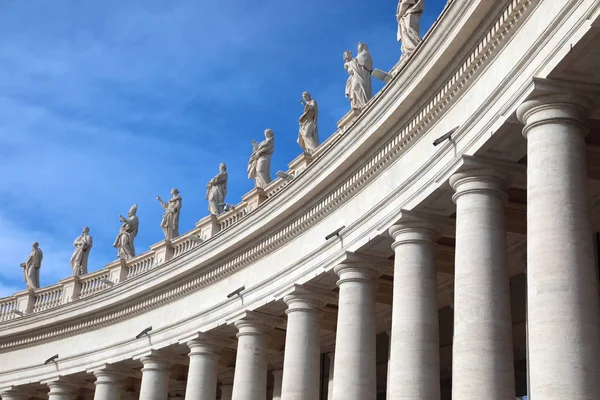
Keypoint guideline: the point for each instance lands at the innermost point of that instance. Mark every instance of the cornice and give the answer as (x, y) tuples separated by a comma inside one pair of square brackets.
[(454, 86)]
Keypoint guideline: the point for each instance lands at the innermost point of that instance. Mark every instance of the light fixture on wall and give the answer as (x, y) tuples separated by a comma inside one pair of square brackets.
[(285, 175), (144, 332), (51, 359), (335, 233), (107, 282), (447, 136), (236, 292), (18, 312)]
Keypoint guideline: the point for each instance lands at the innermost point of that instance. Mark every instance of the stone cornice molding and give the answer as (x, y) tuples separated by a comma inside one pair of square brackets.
[(177, 285)]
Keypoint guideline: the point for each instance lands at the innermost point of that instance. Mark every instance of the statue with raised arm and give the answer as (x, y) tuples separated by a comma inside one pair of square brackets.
[(259, 166), (308, 136), (124, 243), (216, 190), (170, 219), (79, 259), (358, 85), (408, 15), (31, 267)]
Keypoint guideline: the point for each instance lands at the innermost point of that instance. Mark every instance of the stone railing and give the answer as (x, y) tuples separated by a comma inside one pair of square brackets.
[(48, 297), (141, 264), (7, 307), (94, 282)]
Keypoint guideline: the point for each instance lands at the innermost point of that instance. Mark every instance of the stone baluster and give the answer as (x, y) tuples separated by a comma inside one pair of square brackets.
[(562, 289)]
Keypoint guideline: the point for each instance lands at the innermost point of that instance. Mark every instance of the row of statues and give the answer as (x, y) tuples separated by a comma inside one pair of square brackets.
[(358, 91)]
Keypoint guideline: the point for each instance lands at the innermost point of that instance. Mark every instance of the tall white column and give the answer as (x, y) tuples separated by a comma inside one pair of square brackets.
[(155, 378), (250, 379), (301, 363), (108, 384), (13, 394), (331, 357), (482, 351), (355, 363), (226, 378), (414, 364), (60, 390), (564, 343), (277, 382), (202, 372)]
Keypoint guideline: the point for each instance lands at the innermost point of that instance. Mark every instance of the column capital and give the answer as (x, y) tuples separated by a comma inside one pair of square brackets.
[(250, 326), (555, 108), (13, 393), (108, 374), (414, 231), (203, 345), (479, 180), (155, 361), (303, 300), (358, 267), (61, 387)]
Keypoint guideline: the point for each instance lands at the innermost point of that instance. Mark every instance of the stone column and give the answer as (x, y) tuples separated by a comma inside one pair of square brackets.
[(155, 378), (564, 349), (226, 379), (60, 390), (202, 373), (250, 379), (277, 382), (355, 363), (13, 395), (414, 364), (482, 351), (108, 384), (331, 357), (301, 363)]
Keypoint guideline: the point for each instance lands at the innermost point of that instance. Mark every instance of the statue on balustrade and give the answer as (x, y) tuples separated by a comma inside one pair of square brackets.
[(308, 136), (79, 259), (124, 241), (216, 190), (358, 86), (31, 267), (259, 166), (170, 220), (408, 15)]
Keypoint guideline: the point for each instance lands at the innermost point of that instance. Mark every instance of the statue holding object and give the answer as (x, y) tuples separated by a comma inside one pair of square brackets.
[(308, 135), (124, 243), (170, 219), (259, 166), (358, 86), (79, 259), (31, 267), (216, 190), (408, 15)]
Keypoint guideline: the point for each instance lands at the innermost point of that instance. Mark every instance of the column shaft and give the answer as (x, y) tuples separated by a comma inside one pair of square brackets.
[(250, 379), (331, 357), (277, 382), (562, 289), (202, 372), (61, 391), (482, 366), (301, 364), (414, 366), (355, 363), (155, 378), (108, 385)]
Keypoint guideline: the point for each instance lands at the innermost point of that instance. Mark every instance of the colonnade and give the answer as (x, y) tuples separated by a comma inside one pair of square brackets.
[(563, 310)]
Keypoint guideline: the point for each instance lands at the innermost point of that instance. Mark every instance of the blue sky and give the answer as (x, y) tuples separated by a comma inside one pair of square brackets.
[(107, 104)]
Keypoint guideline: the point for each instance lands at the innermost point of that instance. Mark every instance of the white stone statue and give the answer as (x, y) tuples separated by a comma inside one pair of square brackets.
[(308, 136), (358, 85), (216, 190), (259, 166), (31, 267), (170, 219), (408, 15), (79, 259), (124, 242)]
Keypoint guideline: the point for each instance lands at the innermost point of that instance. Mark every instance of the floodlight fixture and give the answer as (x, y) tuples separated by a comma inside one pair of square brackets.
[(335, 233), (447, 136), (381, 75), (285, 175), (236, 292), (144, 332), (18, 312), (107, 282), (51, 359)]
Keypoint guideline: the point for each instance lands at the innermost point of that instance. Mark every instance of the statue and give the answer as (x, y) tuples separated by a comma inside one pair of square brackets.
[(31, 268), (170, 220), (259, 166), (124, 241), (358, 85), (366, 63), (79, 259), (408, 15), (308, 136), (216, 190)]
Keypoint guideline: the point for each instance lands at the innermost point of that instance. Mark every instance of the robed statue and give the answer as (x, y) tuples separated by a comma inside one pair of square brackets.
[(259, 166), (170, 219), (124, 243), (31, 268), (216, 190), (358, 86), (79, 259), (408, 15), (308, 135)]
